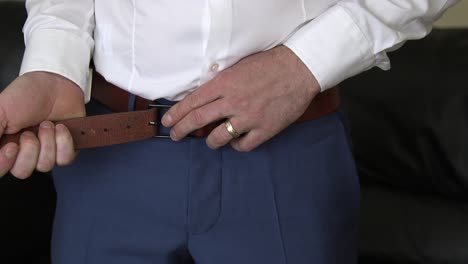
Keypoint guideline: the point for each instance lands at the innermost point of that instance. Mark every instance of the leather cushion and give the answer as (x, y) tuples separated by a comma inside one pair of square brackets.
[(410, 125)]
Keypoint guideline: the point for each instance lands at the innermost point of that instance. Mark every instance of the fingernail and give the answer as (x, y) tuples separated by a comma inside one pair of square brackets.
[(10, 152), (173, 135), (46, 124), (60, 127), (167, 120)]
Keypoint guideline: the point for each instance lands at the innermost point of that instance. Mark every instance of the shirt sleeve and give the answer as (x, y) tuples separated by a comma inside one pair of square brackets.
[(58, 37), (354, 35)]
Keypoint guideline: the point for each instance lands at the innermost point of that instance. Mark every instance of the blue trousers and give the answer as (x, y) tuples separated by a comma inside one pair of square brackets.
[(293, 200)]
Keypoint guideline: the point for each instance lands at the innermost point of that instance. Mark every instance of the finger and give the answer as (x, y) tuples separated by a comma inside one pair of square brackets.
[(201, 117), (220, 135), (3, 122), (65, 149), (7, 157), (47, 153), (250, 141), (200, 97), (27, 156)]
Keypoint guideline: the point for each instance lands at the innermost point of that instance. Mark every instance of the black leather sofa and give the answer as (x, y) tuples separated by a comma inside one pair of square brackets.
[(410, 133)]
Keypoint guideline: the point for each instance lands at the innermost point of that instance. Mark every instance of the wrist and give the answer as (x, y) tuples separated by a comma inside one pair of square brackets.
[(64, 95), (58, 84), (304, 77)]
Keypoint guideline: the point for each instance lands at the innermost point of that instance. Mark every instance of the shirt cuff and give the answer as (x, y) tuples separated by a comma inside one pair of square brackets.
[(59, 52), (333, 47)]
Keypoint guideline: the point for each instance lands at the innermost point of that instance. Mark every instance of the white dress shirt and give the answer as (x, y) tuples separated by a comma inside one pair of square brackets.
[(168, 48)]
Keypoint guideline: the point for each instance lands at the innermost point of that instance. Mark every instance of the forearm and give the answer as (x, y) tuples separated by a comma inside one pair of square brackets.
[(58, 36), (354, 35)]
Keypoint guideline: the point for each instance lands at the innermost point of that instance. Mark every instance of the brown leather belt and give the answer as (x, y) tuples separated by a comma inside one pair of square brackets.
[(123, 127)]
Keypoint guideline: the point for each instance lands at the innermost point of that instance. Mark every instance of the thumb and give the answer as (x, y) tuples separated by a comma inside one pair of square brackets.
[(27, 101), (14, 119), (8, 151), (3, 122)]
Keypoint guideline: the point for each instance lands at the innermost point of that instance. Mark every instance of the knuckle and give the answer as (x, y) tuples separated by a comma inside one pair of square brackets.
[(28, 138), (180, 109), (198, 118), (192, 101)]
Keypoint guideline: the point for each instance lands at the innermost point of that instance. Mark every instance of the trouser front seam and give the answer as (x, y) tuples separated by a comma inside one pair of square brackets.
[(278, 222)]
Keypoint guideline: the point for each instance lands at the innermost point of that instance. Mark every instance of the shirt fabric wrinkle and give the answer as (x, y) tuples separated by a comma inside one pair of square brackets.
[(159, 50)]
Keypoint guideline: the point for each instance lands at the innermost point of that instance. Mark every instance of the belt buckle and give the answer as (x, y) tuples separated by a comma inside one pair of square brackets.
[(156, 123)]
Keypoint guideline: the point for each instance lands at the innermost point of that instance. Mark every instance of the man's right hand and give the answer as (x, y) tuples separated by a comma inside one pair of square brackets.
[(33, 99)]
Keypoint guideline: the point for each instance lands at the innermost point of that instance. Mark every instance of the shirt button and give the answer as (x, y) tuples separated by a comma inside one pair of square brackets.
[(214, 67)]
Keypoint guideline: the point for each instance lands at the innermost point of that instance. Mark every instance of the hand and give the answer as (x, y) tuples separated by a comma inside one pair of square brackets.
[(31, 100), (260, 95)]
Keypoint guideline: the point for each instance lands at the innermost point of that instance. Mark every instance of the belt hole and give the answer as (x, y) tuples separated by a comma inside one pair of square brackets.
[(83, 133), (106, 130), (128, 127)]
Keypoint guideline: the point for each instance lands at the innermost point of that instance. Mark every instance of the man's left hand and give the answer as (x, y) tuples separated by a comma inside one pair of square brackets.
[(260, 95)]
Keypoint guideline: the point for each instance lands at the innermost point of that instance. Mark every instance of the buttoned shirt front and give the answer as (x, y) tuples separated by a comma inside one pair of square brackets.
[(167, 49)]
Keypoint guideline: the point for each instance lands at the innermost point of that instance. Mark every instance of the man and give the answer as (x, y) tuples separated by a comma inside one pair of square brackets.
[(258, 188)]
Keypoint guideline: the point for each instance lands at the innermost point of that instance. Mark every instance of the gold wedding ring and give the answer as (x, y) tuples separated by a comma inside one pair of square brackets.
[(234, 134)]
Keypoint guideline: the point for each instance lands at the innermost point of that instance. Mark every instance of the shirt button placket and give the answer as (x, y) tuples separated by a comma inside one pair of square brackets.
[(219, 37)]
